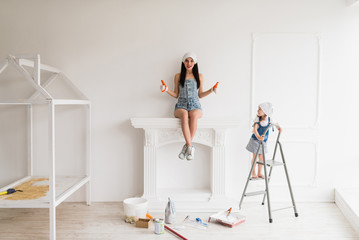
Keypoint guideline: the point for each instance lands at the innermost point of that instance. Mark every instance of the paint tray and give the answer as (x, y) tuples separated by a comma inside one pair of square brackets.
[(230, 220)]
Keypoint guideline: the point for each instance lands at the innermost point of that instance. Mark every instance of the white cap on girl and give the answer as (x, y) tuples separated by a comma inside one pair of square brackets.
[(191, 55), (267, 108)]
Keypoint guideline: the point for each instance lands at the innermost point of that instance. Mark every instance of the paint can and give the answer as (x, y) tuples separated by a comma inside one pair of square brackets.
[(159, 226)]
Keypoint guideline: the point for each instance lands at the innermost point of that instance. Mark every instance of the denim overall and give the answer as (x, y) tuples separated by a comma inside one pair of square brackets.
[(261, 130), (188, 96)]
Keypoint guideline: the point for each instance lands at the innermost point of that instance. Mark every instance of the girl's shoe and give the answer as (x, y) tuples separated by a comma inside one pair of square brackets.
[(182, 154), (190, 153)]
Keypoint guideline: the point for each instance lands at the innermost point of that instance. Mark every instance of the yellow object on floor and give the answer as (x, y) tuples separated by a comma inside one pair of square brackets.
[(31, 189)]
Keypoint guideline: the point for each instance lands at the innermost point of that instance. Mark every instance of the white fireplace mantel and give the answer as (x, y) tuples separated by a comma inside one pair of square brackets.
[(210, 132)]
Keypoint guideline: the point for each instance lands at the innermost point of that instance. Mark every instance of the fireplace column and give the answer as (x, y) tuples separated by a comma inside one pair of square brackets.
[(150, 164), (219, 166)]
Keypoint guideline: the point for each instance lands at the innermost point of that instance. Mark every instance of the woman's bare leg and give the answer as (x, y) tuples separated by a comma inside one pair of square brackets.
[(194, 115), (183, 115)]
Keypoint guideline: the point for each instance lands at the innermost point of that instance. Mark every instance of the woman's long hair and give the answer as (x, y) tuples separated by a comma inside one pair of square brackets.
[(195, 74)]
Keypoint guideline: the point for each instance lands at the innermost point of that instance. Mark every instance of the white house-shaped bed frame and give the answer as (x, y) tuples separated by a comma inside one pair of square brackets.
[(60, 188)]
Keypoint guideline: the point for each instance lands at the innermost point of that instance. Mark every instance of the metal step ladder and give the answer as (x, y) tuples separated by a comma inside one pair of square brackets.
[(269, 163)]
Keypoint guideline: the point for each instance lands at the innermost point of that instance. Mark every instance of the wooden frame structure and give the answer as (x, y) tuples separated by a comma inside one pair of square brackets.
[(60, 188)]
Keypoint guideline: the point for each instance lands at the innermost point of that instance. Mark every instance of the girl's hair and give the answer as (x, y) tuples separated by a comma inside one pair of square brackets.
[(195, 74), (262, 118)]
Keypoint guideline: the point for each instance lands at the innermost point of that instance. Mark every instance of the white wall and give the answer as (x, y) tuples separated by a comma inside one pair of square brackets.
[(117, 51)]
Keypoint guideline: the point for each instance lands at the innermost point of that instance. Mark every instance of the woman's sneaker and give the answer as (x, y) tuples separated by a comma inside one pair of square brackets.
[(190, 153), (182, 154)]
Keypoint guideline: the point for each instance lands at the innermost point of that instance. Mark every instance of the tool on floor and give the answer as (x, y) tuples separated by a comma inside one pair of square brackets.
[(143, 223), (169, 229), (269, 163), (9, 191), (229, 211), (196, 223), (226, 219), (201, 222), (170, 212), (159, 225)]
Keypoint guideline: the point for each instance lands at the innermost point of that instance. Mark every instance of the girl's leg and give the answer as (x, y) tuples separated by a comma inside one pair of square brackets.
[(254, 168), (183, 115), (194, 115), (260, 174)]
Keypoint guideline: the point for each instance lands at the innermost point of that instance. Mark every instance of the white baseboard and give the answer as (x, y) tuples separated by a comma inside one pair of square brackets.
[(347, 202)]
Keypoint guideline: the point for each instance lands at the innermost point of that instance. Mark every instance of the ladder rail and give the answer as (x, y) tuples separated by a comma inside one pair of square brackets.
[(249, 176), (267, 187), (274, 154), (276, 145), (275, 151), (269, 177), (288, 181)]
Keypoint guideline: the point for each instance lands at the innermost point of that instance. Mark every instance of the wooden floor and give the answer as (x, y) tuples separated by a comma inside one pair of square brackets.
[(106, 221)]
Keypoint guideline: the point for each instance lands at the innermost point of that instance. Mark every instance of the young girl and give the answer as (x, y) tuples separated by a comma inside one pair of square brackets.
[(188, 89), (261, 122)]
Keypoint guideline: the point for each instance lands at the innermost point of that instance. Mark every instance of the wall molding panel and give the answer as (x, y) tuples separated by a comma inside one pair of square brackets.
[(282, 63), (256, 37)]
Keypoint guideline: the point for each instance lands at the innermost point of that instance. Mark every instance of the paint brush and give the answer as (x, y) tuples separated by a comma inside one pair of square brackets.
[(229, 211)]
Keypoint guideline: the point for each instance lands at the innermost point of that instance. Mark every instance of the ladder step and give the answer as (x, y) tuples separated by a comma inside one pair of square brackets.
[(256, 179), (254, 193), (271, 163), (278, 209)]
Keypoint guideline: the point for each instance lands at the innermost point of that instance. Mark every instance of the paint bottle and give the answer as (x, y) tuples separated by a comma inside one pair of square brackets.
[(170, 212), (159, 225)]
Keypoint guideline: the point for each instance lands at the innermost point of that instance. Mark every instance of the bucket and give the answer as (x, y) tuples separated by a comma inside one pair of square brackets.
[(134, 208)]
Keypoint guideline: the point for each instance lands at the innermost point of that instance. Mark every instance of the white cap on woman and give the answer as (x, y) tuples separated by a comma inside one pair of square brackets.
[(191, 55)]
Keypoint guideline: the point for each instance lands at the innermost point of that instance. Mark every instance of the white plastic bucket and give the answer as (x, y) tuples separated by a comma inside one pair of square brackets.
[(134, 208)]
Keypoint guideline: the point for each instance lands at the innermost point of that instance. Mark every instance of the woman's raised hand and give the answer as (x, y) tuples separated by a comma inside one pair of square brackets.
[(214, 88), (163, 86)]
